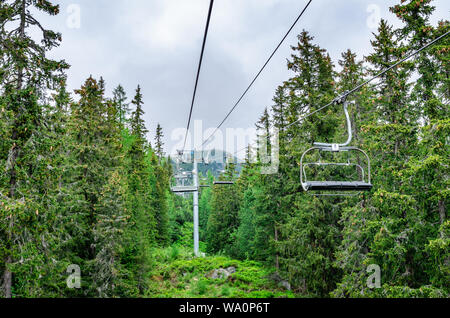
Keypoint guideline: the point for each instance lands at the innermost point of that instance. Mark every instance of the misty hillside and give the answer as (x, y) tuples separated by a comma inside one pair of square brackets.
[(213, 161)]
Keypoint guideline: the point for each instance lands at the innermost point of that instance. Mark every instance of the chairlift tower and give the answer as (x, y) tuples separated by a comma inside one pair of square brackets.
[(195, 206), (194, 190)]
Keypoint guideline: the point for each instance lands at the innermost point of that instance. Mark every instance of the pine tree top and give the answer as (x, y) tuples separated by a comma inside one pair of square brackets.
[(31, 68), (137, 122)]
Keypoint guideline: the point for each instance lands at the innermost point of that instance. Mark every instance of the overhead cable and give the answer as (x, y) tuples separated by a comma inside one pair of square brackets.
[(258, 74)]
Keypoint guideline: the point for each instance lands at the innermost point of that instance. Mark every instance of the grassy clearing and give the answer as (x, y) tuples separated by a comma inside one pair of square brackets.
[(177, 274)]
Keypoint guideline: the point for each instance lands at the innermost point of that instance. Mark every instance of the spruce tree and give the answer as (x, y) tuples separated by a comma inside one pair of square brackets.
[(309, 232), (263, 141), (223, 219), (415, 14), (159, 145), (137, 121), (161, 193), (119, 99), (141, 177), (94, 191), (25, 74), (204, 205)]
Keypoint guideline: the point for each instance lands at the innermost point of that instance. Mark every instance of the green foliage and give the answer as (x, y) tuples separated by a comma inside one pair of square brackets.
[(180, 212), (119, 100), (205, 205), (189, 277), (200, 287), (187, 234), (244, 239), (223, 218), (81, 184), (324, 245)]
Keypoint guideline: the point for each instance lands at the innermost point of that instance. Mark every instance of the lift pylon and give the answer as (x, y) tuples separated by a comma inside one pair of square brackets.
[(194, 190)]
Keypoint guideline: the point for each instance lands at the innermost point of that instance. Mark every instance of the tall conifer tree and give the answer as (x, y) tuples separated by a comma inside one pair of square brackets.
[(25, 74)]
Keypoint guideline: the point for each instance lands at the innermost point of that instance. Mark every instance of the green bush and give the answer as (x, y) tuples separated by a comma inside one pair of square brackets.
[(200, 287)]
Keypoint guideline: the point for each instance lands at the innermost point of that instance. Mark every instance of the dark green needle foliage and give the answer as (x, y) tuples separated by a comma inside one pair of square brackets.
[(28, 134), (81, 183), (324, 246)]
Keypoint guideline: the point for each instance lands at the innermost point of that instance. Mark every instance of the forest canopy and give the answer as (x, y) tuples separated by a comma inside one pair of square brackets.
[(82, 184)]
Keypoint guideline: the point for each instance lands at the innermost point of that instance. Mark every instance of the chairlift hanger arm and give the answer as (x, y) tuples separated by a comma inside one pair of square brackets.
[(335, 147)]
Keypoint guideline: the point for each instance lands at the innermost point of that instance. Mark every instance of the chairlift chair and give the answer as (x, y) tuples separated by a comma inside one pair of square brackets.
[(225, 182), (364, 184), (203, 182)]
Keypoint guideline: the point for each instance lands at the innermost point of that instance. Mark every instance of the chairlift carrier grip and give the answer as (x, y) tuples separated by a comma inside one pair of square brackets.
[(335, 147)]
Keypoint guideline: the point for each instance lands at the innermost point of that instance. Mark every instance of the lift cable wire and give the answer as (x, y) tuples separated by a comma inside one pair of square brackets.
[(361, 85), (258, 74), (198, 71)]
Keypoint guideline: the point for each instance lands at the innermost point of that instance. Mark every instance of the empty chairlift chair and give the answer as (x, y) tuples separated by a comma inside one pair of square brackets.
[(340, 187), (223, 182)]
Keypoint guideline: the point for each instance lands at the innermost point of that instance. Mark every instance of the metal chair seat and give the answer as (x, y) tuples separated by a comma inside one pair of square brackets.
[(223, 182), (337, 186), (184, 189)]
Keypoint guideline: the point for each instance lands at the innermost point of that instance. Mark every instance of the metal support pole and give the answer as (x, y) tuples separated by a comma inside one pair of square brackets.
[(196, 237), (193, 189)]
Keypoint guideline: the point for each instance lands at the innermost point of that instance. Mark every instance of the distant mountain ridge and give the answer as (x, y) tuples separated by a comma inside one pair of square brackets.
[(212, 160)]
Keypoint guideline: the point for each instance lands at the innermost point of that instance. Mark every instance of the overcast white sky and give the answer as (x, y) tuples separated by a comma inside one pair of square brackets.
[(156, 43)]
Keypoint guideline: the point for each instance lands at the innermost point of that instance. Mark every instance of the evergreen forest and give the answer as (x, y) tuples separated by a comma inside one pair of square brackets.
[(84, 186)]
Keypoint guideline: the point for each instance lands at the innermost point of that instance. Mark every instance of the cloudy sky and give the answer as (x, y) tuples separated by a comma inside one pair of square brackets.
[(156, 43)]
